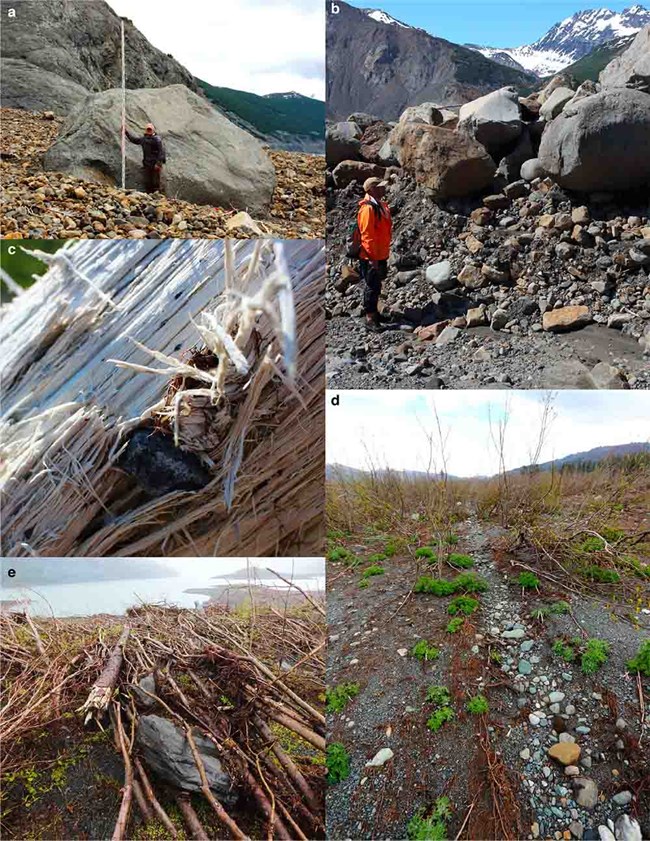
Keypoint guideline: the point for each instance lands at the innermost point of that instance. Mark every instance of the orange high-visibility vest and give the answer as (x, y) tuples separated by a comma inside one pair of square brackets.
[(375, 228)]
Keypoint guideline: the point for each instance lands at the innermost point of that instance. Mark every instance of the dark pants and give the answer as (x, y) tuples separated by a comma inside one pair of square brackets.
[(372, 278), (151, 178)]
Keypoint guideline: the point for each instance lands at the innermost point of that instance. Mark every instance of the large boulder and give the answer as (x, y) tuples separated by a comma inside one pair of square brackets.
[(554, 104), (631, 69), (494, 119), (562, 80), (426, 112), (449, 163), (342, 142), (362, 119), (372, 141), (209, 159), (166, 751), (348, 171), (600, 143)]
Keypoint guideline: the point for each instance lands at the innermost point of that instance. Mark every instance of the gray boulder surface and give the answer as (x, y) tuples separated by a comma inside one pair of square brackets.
[(209, 159), (631, 69), (426, 112), (532, 169), (493, 120), (342, 142), (166, 751), (56, 51), (449, 163), (555, 103), (600, 143)]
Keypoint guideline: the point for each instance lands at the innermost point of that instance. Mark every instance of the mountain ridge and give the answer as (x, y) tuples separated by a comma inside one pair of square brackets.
[(382, 68), (570, 40)]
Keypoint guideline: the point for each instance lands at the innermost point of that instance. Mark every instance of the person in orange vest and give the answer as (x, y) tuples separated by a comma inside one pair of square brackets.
[(375, 226)]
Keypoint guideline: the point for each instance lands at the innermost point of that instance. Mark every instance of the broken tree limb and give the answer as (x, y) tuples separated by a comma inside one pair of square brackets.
[(119, 833), (100, 695)]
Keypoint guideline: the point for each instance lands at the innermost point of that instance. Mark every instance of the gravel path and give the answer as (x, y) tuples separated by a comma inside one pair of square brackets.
[(505, 655)]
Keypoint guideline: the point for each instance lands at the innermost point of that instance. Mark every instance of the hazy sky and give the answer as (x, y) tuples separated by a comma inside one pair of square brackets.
[(392, 426), (494, 23), (263, 46)]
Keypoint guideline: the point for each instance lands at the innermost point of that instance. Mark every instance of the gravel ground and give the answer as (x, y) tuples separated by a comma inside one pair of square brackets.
[(52, 205), (391, 709)]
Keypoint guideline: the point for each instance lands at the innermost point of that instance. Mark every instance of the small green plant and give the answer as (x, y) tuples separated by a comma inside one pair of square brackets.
[(601, 575), (423, 651), (451, 539), (439, 696), (425, 552), (391, 548), (553, 609), (594, 656), (338, 763), (495, 656), (377, 558), (462, 604), (454, 625), (466, 582), (433, 827), (641, 662), (477, 705), (364, 583), (338, 696), (339, 553), (462, 561), (528, 581), (611, 535), (564, 650), (592, 544), (439, 717), (375, 569)]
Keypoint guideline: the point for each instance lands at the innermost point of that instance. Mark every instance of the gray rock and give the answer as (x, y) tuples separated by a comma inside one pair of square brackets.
[(499, 319), (426, 112), (144, 686), (510, 166), (556, 102), (55, 54), (622, 798), (606, 376), (524, 667), (342, 142), (363, 120), (556, 697), (439, 274), (627, 829), (532, 169), (582, 148), (494, 120), (209, 159), (631, 69), (585, 792), (448, 335), (167, 752)]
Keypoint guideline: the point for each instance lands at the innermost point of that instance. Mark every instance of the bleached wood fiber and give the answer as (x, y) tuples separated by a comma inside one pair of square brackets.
[(68, 408)]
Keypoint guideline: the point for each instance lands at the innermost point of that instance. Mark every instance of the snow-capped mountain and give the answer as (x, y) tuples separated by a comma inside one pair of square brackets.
[(570, 40), (383, 17)]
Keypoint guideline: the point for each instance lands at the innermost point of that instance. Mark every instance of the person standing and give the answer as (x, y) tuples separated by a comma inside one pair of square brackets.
[(153, 156), (375, 226)]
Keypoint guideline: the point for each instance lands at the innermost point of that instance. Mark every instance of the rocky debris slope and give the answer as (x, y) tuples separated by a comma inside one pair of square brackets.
[(210, 160), (526, 219), (55, 52), (52, 205)]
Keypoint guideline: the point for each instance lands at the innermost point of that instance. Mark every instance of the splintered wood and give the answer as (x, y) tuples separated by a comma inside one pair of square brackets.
[(217, 350)]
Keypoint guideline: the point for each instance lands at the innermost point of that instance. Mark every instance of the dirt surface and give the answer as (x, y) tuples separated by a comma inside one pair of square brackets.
[(52, 205), (480, 358), (367, 629)]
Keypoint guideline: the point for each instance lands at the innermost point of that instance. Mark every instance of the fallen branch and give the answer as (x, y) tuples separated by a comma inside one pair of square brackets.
[(104, 687)]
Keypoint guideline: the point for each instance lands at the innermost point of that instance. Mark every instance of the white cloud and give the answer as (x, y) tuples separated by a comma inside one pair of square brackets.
[(263, 46), (391, 427)]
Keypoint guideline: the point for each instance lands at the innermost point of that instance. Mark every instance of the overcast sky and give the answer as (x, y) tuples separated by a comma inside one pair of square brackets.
[(263, 46), (392, 426)]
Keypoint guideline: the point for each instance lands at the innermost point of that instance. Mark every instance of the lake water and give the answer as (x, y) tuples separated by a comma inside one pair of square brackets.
[(88, 598)]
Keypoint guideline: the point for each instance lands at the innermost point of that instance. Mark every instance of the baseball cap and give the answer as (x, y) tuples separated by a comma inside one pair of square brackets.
[(374, 182)]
